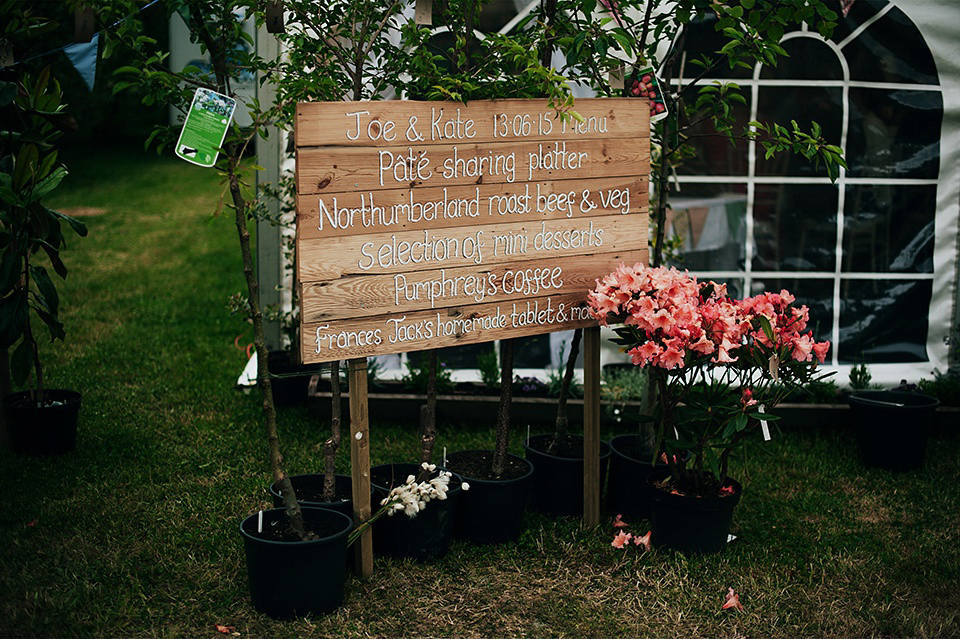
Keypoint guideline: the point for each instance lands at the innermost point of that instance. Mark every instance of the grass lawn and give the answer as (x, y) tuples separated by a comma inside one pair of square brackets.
[(136, 533)]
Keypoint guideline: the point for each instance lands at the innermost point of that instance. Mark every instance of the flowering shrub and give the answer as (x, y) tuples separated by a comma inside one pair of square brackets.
[(718, 364)]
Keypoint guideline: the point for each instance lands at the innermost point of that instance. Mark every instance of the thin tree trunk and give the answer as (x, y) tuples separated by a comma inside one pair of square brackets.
[(560, 431), (218, 57), (428, 416), (5, 389), (332, 444), (499, 462), (280, 478), (546, 50)]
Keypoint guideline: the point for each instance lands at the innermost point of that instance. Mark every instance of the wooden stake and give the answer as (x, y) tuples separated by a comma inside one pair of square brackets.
[(360, 462), (591, 426)]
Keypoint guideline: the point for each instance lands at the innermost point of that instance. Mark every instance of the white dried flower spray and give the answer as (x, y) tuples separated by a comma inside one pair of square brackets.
[(411, 497)]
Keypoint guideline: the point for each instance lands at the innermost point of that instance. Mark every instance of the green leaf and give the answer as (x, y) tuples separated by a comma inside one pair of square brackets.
[(78, 227), (14, 312), (46, 291), (8, 93), (54, 255), (10, 265), (54, 325), (49, 183), (766, 328), (25, 167), (713, 462), (21, 363)]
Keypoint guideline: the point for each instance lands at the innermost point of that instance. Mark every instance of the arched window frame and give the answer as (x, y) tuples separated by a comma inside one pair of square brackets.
[(942, 313)]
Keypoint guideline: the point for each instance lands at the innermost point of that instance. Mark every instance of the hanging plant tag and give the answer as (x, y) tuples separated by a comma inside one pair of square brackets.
[(205, 127), (423, 12), (646, 85)]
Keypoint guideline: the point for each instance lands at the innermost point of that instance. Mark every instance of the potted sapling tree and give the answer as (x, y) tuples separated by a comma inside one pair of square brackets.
[(493, 511), (558, 456), (427, 537), (327, 489), (39, 420)]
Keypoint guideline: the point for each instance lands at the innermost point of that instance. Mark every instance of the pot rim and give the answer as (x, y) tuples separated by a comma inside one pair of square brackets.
[(612, 443), (68, 395), (526, 446), (477, 480), (661, 473), (337, 477), (414, 467), (287, 544), (892, 400)]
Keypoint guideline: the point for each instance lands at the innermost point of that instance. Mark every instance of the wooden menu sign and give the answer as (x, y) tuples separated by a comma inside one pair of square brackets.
[(432, 224)]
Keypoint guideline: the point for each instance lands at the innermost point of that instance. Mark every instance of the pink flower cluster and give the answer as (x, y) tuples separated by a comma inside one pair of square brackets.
[(788, 324), (679, 320), (623, 539)]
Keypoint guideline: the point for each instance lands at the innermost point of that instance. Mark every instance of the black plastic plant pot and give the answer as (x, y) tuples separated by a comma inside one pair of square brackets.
[(891, 428), (46, 429), (690, 524), (291, 579), (309, 489), (558, 481), (291, 381), (631, 464), (426, 536), (492, 511)]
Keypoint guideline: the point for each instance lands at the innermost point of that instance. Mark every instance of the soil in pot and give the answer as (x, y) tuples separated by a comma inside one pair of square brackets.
[(309, 489), (292, 578), (690, 524), (631, 463), (492, 511), (425, 537), (892, 428), (558, 481), (47, 428)]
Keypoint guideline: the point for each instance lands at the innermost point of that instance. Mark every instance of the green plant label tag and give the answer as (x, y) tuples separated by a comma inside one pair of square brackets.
[(205, 127)]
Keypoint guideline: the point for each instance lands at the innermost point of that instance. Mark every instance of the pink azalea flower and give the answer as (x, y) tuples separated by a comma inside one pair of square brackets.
[(732, 601), (621, 539), (671, 358), (802, 348), (820, 351), (662, 320)]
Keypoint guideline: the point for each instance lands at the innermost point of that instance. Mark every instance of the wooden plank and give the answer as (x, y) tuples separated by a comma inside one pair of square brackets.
[(591, 426), (361, 296), (360, 462), (341, 214), (440, 328), (408, 251), (347, 169), (397, 123)]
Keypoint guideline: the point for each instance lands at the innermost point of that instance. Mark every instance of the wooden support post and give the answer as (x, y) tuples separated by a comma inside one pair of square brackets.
[(591, 426), (360, 462)]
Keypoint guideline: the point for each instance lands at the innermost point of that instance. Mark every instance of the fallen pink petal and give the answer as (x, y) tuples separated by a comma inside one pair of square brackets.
[(643, 541), (618, 522), (621, 539), (732, 601)]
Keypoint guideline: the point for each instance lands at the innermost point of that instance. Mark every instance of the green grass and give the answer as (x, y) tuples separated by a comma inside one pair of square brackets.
[(135, 534)]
